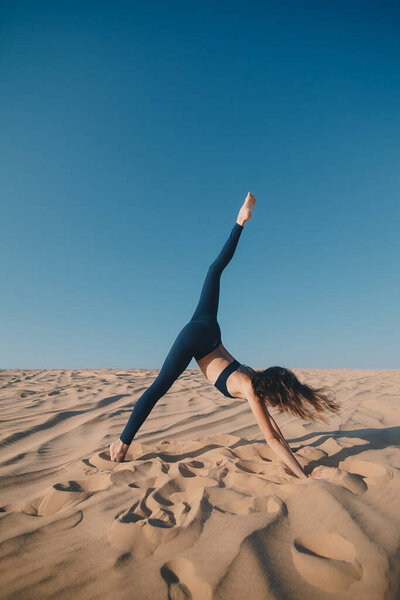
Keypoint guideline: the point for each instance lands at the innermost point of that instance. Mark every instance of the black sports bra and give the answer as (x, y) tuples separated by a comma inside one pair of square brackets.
[(220, 384)]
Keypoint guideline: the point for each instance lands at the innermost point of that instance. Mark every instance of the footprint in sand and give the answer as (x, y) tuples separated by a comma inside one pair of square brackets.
[(189, 577), (311, 453), (326, 560), (255, 452), (157, 517), (250, 466), (235, 502), (176, 573), (373, 473), (354, 483), (63, 524), (269, 504), (61, 496)]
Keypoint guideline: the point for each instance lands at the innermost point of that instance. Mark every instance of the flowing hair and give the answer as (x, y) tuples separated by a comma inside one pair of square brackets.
[(280, 388)]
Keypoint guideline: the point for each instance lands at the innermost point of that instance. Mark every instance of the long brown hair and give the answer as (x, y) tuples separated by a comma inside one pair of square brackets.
[(279, 387)]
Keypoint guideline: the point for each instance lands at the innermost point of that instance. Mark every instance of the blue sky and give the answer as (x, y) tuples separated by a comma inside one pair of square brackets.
[(131, 134)]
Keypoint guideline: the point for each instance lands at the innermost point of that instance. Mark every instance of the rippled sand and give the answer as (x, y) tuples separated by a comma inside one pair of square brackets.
[(201, 508)]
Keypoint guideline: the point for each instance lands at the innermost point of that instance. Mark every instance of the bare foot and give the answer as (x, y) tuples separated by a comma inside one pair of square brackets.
[(246, 210), (118, 451)]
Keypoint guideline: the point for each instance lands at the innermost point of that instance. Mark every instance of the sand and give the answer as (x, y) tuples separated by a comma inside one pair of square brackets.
[(201, 508)]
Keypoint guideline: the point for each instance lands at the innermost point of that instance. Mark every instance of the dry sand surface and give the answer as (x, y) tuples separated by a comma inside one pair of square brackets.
[(201, 508)]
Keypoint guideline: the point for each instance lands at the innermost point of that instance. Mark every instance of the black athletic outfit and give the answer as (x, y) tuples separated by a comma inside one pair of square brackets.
[(198, 338)]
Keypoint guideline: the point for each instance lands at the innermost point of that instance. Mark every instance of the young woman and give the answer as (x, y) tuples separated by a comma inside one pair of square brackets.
[(201, 338)]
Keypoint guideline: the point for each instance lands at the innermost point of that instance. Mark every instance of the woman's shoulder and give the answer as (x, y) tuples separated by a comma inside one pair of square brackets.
[(245, 369)]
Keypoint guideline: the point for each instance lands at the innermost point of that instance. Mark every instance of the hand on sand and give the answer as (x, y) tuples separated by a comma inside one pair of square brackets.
[(322, 472), (247, 209)]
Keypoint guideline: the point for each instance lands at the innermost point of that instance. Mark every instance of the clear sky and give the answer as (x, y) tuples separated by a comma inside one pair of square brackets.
[(131, 133)]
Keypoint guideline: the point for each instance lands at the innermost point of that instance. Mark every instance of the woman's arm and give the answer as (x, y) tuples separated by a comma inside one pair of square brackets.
[(279, 432), (287, 457), (274, 437)]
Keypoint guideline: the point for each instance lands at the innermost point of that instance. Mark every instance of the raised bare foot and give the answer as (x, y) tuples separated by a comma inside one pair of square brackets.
[(246, 210), (118, 451)]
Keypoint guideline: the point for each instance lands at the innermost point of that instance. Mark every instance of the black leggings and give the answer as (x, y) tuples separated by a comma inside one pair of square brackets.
[(197, 338)]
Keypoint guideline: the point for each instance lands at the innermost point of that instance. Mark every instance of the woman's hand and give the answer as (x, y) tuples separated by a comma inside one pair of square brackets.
[(321, 472)]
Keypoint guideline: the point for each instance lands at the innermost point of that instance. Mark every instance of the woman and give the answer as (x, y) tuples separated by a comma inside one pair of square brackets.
[(201, 339)]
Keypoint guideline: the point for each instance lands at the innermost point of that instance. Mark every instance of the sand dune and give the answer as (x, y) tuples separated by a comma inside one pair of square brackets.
[(201, 508)]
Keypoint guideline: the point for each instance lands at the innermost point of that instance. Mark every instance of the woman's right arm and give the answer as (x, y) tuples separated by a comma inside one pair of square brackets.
[(279, 432), (287, 457), (273, 437)]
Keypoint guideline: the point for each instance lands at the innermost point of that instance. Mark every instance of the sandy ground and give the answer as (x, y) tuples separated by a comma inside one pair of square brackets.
[(201, 508)]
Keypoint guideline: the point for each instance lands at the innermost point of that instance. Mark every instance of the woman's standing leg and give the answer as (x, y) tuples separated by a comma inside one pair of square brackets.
[(178, 358)]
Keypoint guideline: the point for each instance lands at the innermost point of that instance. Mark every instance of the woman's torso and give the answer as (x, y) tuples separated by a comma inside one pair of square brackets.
[(216, 361)]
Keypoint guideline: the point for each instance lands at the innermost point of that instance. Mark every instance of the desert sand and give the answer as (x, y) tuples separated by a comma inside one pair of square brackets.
[(201, 508)]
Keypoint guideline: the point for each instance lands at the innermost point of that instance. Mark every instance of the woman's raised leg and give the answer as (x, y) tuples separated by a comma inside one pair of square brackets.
[(209, 296)]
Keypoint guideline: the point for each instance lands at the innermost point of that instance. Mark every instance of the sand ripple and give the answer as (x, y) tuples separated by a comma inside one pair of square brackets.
[(201, 508)]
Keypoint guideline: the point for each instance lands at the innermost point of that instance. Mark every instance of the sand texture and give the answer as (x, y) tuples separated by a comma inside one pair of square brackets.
[(201, 508)]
